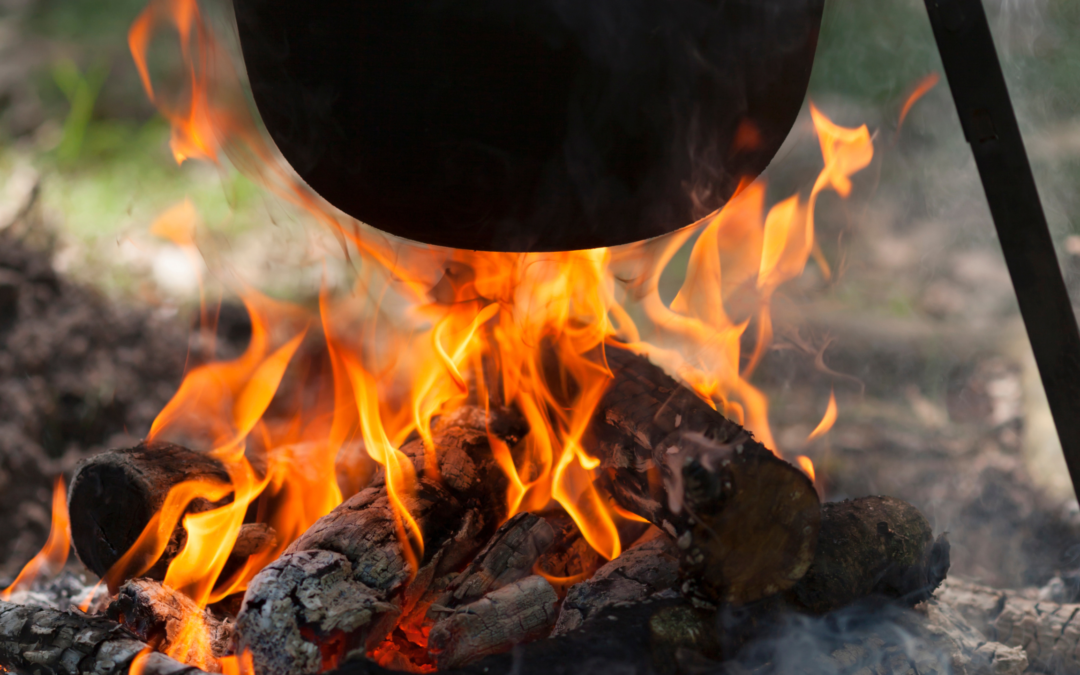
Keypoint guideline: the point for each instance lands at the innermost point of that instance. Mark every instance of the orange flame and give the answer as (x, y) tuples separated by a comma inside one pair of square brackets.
[(427, 330), (807, 465), (827, 420), (138, 664), (921, 89), (51, 558)]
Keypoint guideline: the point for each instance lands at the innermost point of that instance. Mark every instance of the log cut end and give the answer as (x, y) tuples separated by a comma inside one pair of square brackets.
[(752, 519), (745, 521), (114, 494)]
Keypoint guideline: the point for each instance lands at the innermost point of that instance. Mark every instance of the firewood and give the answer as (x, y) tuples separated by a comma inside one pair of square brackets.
[(569, 558), (510, 556), (52, 642), (343, 585), (745, 521), (638, 574), (513, 614), (872, 546), (114, 494), (158, 615)]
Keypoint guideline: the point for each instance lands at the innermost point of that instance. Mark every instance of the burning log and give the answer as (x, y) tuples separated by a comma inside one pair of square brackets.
[(638, 574), (51, 642), (745, 521), (510, 556), (159, 616), (114, 495), (872, 546), (342, 586)]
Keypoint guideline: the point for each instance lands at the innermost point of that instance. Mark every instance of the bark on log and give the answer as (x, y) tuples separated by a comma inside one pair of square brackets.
[(1048, 633), (745, 521), (114, 494), (513, 614), (158, 615), (340, 588), (872, 546), (51, 642), (638, 574)]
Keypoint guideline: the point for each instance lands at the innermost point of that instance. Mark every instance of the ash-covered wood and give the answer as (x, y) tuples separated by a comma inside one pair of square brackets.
[(158, 615), (872, 546), (51, 642), (745, 521), (114, 494), (510, 615), (1049, 633), (637, 575), (342, 586)]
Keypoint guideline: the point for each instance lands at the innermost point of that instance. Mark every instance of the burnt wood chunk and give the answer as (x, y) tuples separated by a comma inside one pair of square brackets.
[(745, 521), (114, 494), (51, 642), (514, 614), (872, 546), (159, 615), (641, 572), (342, 586), (509, 556)]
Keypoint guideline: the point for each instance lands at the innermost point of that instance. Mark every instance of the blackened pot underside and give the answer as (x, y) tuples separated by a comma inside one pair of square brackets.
[(526, 125)]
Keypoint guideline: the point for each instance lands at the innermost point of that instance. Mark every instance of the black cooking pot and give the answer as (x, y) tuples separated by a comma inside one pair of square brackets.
[(528, 125)]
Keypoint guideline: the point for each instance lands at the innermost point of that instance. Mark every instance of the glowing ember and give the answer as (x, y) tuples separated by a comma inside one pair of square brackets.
[(50, 560)]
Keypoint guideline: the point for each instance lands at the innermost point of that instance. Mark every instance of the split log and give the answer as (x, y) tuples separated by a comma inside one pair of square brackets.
[(159, 615), (343, 585), (51, 642), (637, 575), (745, 521), (513, 614), (114, 494), (1048, 633), (872, 546)]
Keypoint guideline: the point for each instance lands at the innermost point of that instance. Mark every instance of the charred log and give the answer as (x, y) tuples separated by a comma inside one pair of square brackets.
[(341, 587), (872, 546), (51, 642), (158, 615), (745, 521), (637, 575), (114, 494), (510, 556), (513, 614)]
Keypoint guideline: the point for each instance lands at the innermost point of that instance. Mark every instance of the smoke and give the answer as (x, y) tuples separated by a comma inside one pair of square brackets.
[(866, 638)]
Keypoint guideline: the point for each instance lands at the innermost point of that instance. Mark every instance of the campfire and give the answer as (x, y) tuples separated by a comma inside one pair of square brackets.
[(490, 461)]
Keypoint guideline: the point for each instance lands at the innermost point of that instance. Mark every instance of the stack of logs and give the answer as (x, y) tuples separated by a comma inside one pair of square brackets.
[(730, 538)]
